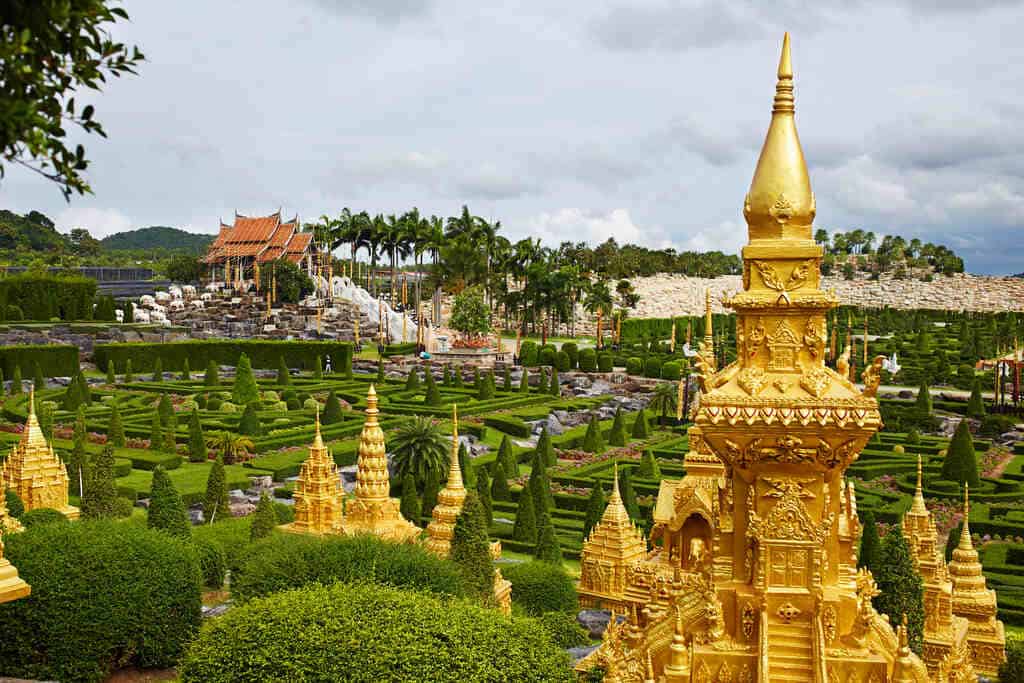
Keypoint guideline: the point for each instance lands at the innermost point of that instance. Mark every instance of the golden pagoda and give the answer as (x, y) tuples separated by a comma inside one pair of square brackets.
[(449, 500), (35, 472), (442, 524), (753, 576), (976, 603), (318, 498), (373, 511), (12, 586), (614, 544)]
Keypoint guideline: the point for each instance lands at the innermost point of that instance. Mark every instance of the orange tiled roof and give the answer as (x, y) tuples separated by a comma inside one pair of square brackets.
[(300, 242), (263, 237), (258, 229), (294, 258), (271, 253)]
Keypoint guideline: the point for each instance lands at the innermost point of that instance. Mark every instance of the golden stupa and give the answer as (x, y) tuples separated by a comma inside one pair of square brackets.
[(318, 495), (12, 586), (753, 575), (35, 472), (373, 511), (446, 513)]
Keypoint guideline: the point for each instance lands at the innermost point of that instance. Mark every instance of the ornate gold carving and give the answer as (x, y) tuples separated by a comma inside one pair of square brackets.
[(752, 380), (783, 346), (781, 210), (815, 381), (814, 339), (755, 338), (748, 622), (872, 376), (798, 277), (830, 622), (787, 611)]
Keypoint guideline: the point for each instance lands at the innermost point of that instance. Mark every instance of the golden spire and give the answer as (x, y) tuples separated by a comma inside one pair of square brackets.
[(449, 500), (918, 506), (318, 494), (454, 470), (318, 440), (372, 481), (709, 336), (965, 533), (780, 204), (615, 512)]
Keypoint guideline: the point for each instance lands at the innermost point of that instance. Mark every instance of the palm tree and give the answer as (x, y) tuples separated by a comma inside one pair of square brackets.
[(233, 447), (376, 231), (419, 447), (664, 399), (435, 240)]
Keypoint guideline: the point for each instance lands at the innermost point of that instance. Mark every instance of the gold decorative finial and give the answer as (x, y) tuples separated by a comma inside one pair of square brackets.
[(918, 507), (454, 470), (708, 329), (780, 204)]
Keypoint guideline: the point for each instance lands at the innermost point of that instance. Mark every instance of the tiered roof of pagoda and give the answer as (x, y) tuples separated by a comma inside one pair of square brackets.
[(263, 238)]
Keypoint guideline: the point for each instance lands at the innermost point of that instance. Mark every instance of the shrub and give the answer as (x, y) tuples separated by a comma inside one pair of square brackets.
[(286, 561), (244, 390), (593, 442), (166, 510), (961, 462), (528, 354), (264, 520), (548, 548), (573, 351), (562, 362), (250, 422), (588, 360), (332, 410), (42, 517), (604, 362), (15, 506), (652, 367), (323, 633), (641, 430), (213, 563), (540, 587), (672, 370), (104, 594), (546, 355), (563, 629), (634, 365)]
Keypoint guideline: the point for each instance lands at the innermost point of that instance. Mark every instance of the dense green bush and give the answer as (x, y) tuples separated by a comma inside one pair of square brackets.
[(540, 587), (588, 360), (288, 561), (634, 365), (604, 362), (42, 517), (573, 351), (58, 360), (652, 367), (104, 594), (213, 563), (262, 353), (672, 370), (563, 629), (325, 634), (528, 354), (47, 296), (546, 355), (562, 362)]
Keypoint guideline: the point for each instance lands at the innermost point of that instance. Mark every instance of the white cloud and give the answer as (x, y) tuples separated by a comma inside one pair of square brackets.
[(594, 227), (727, 238), (99, 222)]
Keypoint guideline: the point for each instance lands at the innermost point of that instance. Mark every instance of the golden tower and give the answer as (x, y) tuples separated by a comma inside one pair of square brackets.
[(12, 586), (753, 574), (35, 472), (614, 544), (373, 511), (318, 498), (449, 500), (976, 603)]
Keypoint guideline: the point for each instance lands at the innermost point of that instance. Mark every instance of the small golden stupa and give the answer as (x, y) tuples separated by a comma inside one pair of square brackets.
[(976, 603), (373, 511), (614, 544), (35, 472), (12, 586), (753, 575), (446, 513), (318, 496), (449, 500)]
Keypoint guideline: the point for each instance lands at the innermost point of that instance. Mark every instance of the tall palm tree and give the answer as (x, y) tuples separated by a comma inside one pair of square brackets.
[(436, 239), (233, 447), (376, 231), (419, 447)]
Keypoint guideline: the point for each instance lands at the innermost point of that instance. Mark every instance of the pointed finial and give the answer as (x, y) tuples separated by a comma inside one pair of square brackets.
[(615, 484), (965, 533), (32, 400), (784, 88), (708, 329), (919, 489), (454, 469)]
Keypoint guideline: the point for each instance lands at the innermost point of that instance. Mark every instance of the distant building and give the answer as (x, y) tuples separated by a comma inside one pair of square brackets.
[(238, 249)]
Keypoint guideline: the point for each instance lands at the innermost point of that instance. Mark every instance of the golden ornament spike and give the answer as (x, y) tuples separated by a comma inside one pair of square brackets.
[(12, 586), (449, 500), (709, 335), (318, 493), (918, 506)]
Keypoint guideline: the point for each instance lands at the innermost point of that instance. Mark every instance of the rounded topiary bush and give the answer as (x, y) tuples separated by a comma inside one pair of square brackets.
[(214, 403), (562, 362), (104, 594), (604, 362), (573, 351), (588, 360), (634, 365), (528, 353), (228, 407), (286, 561), (671, 370), (546, 355), (41, 517), (370, 633), (540, 587), (652, 368)]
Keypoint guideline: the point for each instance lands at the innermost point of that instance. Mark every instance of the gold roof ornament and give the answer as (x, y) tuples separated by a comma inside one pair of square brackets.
[(318, 494), (373, 511), (753, 575), (449, 499), (35, 472), (12, 586)]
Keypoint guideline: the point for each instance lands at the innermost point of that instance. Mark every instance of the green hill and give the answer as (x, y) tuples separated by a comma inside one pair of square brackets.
[(31, 232), (157, 237)]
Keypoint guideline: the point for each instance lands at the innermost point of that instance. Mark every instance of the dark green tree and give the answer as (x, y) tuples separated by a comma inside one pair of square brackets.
[(245, 390), (546, 450), (548, 548), (870, 546), (431, 487), (525, 529), (318, 369), (617, 436), (595, 508), (167, 511), (216, 504), (457, 377), (506, 457), (111, 377), (902, 590), (100, 498), (410, 502), (923, 403), (412, 380), (380, 371), (332, 410), (166, 411), (186, 371), (641, 430), (628, 495), (953, 540), (554, 388), (593, 442), (485, 387), (432, 395), (524, 382), (506, 379), (446, 376), (16, 386), (539, 485), (158, 370), (483, 492), (196, 440), (129, 376), (975, 404), (499, 487), (212, 377), (15, 505), (115, 429), (961, 462), (39, 380), (284, 375), (649, 468), (156, 432), (264, 520), (467, 467), (471, 549), (250, 422)]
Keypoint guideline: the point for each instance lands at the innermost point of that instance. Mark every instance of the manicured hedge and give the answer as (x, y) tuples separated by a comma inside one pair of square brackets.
[(45, 296), (604, 361), (399, 349), (540, 587), (588, 360), (528, 353), (55, 360), (284, 561), (262, 353), (634, 366), (672, 370), (368, 633), (104, 594), (512, 426)]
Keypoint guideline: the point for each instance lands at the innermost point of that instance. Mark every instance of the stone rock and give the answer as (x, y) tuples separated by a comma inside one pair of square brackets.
[(578, 653), (596, 620), (217, 610), (242, 509), (555, 427)]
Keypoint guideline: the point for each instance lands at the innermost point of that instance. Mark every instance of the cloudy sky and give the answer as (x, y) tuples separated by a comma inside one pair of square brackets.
[(570, 120)]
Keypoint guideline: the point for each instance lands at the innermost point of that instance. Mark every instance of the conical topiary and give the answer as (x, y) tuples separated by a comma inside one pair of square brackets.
[(649, 468), (617, 435), (431, 487), (555, 388), (901, 588), (100, 498), (627, 494), (870, 551), (499, 486), (548, 548), (186, 371), (212, 378), (264, 520), (975, 404), (284, 375), (318, 368), (158, 369), (250, 422), (525, 529), (129, 376), (196, 440), (167, 511), (483, 492), (595, 509), (245, 390), (592, 440), (471, 549), (961, 462), (115, 429), (410, 501), (216, 504), (539, 485), (432, 395), (412, 381), (546, 450), (332, 410)]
